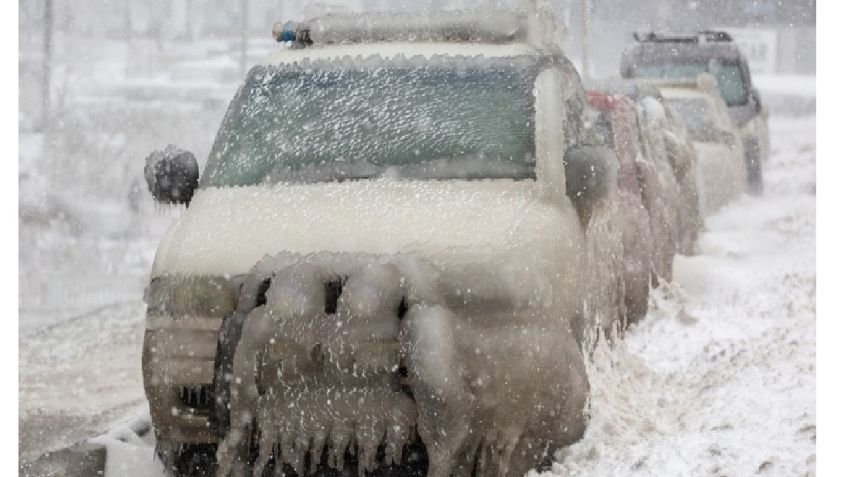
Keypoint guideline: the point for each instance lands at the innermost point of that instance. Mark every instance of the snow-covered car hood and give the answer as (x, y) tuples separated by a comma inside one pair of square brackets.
[(227, 230)]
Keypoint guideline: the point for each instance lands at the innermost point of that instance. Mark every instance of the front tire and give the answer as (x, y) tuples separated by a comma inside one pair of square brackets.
[(754, 166), (189, 460)]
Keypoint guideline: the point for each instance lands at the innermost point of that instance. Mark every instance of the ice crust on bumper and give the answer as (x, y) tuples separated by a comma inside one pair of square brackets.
[(477, 392)]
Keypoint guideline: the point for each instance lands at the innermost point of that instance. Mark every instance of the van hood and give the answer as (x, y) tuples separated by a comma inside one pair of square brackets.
[(225, 231)]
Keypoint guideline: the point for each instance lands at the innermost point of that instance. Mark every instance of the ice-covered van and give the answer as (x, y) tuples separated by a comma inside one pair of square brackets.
[(398, 246)]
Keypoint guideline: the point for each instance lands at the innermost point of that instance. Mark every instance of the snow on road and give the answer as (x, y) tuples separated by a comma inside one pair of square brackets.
[(719, 379), (78, 376)]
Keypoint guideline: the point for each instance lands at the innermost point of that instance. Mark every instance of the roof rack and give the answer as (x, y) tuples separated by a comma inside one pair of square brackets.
[(703, 36)]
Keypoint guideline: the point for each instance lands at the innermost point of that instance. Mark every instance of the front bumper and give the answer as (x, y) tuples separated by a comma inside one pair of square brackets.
[(178, 365), (399, 351)]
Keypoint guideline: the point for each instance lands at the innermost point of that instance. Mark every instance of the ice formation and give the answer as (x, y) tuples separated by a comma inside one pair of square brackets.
[(387, 356)]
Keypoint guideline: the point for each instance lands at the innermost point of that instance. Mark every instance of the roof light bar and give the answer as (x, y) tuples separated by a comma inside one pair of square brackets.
[(291, 32), (467, 26), (539, 27)]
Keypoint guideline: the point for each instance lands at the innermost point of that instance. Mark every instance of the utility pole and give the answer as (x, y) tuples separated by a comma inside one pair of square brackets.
[(584, 11), (245, 24), (189, 33), (128, 31), (48, 60)]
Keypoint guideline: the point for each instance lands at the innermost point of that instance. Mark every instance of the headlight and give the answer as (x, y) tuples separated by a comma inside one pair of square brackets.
[(209, 296), (749, 129)]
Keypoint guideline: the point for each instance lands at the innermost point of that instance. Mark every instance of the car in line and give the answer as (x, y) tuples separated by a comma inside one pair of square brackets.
[(720, 165), (400, 247), (674, 56), (616, 124), (664, 139)]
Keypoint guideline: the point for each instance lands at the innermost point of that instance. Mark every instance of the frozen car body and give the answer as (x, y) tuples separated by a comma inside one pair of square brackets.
[(721, 170), (497, 281), (681, 154), (618, 122), (664, 138), (660, 192)]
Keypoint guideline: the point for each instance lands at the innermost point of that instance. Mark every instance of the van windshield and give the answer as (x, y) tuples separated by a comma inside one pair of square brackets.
[(728, 76), (443, 118)]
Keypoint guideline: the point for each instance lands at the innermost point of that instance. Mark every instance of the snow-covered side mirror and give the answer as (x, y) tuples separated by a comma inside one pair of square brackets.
[(591, 173), (727, 138), (758, 102), (171, 175)]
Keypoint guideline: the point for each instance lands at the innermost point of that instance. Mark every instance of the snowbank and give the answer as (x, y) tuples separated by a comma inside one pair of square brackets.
[(788, 95), (720, 377)]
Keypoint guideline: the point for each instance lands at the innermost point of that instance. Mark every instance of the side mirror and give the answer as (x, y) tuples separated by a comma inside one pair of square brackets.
[(171, 175), (591, 174), (758, 103), (727, 137)]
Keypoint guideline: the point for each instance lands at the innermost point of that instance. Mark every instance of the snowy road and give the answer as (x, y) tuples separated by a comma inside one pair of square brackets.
[(79, 375), (719, 379)]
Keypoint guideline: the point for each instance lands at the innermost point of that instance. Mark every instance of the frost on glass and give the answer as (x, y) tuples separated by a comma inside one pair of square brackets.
[(342, 120), (698, 117), (728, 77)]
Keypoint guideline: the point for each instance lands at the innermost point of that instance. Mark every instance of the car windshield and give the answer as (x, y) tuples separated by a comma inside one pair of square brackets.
[(728, 76), (440, 118), (698, 118)]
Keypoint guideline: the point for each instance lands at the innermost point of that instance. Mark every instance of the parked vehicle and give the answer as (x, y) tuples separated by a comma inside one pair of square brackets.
[(663, 138), (721, 170), (686, 56), (400, 243), (681, 154), (616, 125)]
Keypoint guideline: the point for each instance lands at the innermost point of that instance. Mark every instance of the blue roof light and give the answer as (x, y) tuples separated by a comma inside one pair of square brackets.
[(292, 33), (289, 32), (285, 32)]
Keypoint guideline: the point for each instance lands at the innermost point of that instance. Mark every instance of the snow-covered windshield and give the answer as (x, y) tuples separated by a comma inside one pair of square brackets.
[(728, 75), (698, 118), (440, 118)]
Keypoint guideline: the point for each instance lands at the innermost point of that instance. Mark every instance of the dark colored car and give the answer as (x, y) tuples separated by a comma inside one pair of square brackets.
[(686, 56)]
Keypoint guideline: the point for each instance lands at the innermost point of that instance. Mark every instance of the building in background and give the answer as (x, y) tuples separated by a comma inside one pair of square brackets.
[(778, 35)]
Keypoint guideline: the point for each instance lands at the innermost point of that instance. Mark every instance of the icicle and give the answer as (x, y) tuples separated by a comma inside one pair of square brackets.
[(482, 460), (266, 447), (368, 443), (279, 466), (300, 450), (395, 440), (318, 442), (339, 446), (288, 450), (360, 468), (506, 447)]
